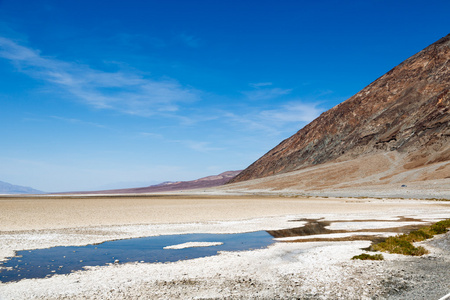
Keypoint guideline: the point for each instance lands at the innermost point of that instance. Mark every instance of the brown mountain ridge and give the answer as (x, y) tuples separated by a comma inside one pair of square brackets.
[(171, 186), (401, 119)]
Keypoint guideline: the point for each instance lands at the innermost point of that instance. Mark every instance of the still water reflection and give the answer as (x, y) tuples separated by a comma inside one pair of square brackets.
[(41, 263)]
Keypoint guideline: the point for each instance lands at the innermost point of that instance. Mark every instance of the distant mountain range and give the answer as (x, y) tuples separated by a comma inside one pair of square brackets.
[(171, 186), (7, 188), (397, 129)]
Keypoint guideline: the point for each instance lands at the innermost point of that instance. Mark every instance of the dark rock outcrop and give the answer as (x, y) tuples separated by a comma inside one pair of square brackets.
[(406, 110)]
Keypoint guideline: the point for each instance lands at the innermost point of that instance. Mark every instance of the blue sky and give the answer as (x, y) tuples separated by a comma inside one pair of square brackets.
[(112, 94)]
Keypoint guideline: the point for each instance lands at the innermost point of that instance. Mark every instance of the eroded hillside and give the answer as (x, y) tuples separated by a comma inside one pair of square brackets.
[(405, 112)]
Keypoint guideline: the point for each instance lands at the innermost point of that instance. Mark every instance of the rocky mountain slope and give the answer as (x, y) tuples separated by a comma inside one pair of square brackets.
[(402, 119), (7, 188), (170, 186)]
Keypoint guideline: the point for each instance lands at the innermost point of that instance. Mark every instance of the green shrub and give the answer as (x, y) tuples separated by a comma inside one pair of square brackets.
[(417, 236), (399, 245), (366, 256), (440, 227), (402, 244)]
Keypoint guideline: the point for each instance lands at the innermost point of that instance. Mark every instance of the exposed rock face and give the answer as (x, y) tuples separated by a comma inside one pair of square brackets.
[(406, 111)]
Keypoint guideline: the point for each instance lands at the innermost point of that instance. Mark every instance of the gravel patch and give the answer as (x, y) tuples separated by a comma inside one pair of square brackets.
[(426, 277)]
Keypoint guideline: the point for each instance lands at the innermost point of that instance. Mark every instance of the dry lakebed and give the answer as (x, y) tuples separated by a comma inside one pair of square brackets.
[(188, 246)]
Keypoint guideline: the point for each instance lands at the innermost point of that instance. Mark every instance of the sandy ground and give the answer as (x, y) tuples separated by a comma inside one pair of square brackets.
[(43, 212), (314, 270), (379, 175)]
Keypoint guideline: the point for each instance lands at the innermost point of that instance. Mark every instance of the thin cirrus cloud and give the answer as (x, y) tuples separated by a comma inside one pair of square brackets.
[(266, 93), (198, 146), (120, 91), (77, 121), (287, 117), (279, 118), (292, 112), (260, 84)]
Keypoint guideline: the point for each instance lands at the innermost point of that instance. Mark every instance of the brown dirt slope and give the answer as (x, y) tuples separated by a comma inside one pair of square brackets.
[(405, 112)]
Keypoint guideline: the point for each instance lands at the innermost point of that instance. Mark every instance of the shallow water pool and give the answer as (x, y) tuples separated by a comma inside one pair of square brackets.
[(42, 263)]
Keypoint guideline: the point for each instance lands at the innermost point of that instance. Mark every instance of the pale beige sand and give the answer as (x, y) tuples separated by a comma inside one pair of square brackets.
[(34, 213), (377, 175)]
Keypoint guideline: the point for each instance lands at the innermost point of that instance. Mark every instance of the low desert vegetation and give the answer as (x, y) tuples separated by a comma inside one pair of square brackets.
[(403, 244), (366, 256), (399, 245), (438, 199)]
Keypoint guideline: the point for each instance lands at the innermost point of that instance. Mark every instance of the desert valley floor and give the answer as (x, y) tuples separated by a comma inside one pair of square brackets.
[(319, 268)]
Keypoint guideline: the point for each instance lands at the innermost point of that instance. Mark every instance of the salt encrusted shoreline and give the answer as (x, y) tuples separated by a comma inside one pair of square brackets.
[(313, 270), (283, 271), (193, 245)]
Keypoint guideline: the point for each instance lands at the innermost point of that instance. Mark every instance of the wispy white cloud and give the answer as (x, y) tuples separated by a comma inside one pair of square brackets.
[(122, 91), (296, 112), (198, 146), (77, 121), (276, 120), (249, 122), (260, 84), (266, 93)]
